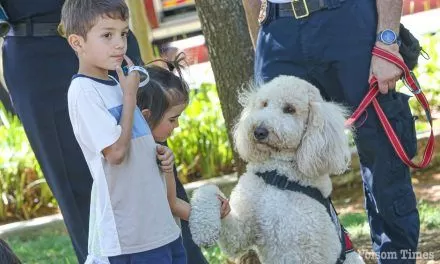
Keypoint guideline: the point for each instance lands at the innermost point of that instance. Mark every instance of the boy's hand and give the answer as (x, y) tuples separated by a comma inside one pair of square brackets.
[(129, 83), (165, 158), (225, 209)]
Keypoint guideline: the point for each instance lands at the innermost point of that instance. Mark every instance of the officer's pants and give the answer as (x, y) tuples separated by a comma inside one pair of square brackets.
[(37, 73), (332, 49)]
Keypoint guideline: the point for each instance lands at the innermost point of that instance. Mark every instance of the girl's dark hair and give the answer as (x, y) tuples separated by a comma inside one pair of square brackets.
[(164, 90)]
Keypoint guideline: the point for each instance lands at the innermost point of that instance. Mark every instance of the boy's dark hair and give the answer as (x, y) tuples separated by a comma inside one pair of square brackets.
[(164, 90), (79, 16)]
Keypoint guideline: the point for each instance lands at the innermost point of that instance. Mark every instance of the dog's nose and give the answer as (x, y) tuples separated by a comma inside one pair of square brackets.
[(260, 133)]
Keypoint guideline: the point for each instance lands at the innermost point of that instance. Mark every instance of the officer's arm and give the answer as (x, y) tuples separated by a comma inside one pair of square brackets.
[(252, 9), (389, 13)]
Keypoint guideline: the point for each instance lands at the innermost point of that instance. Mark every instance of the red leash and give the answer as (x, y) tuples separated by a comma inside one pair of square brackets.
[(411, 82)]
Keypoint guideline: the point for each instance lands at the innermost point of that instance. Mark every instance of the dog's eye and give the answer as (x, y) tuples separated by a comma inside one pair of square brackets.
[(264, 104), (288, 109)]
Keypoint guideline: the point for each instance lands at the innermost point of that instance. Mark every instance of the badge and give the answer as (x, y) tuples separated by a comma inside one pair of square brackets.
[(263, 12)]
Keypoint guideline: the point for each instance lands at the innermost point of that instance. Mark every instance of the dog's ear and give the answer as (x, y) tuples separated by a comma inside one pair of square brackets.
[(247, 94), (324, 148)]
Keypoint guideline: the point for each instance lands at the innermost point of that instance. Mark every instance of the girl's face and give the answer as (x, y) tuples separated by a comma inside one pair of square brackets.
[(168, 123)]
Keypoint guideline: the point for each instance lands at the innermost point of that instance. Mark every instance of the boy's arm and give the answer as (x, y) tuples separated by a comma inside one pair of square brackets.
[(179, 207), (115, 153)]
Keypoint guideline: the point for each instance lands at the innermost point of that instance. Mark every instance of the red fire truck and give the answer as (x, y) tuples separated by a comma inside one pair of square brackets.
[(172, 19)]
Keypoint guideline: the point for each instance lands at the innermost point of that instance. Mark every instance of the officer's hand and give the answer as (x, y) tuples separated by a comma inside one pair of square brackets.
[(165, 157), (129, 83), (386, 73)]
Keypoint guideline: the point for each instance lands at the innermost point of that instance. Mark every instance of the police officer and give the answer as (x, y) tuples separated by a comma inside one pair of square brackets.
[(329, 43), (38, 65)]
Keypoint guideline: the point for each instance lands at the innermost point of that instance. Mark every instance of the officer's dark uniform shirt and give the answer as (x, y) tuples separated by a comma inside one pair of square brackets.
[(46, 11)]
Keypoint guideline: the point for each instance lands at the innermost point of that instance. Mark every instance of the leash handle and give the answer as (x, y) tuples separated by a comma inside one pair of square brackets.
[(370, 98)]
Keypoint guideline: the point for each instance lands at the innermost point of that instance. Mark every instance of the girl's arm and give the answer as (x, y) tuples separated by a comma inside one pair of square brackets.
[(179, 207)]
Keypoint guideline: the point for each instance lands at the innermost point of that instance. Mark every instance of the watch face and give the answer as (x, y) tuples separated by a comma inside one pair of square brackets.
[(388, 36)]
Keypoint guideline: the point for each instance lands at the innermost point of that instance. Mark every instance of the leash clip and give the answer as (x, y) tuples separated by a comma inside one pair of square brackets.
[(416, 83)]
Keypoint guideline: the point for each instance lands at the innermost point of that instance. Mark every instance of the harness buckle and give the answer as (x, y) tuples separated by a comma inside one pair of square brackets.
[(300, 8)]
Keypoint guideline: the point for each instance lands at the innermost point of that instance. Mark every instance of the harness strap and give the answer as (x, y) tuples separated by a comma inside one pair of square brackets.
[(411, 82), (283, 183)]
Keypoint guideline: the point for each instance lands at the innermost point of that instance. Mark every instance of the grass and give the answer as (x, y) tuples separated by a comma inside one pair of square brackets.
[(47, 246), (50, 246), (356, 223)]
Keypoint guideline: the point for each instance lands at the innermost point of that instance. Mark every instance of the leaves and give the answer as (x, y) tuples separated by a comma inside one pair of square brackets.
[(23, 189), (428, 75), (201, 144)]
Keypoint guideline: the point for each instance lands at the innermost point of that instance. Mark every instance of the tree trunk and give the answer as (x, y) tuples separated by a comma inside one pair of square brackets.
[(232, 58), (230, 53), (141, 28), (252, 10)]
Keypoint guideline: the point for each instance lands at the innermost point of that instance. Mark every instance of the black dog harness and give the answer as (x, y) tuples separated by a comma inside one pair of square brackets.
[(283, 183)]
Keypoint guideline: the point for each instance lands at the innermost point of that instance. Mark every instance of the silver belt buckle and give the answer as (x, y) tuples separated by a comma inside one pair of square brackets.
[(297, 3)]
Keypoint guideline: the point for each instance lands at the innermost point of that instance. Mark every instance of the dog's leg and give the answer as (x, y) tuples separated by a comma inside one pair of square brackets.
[(238, 232)]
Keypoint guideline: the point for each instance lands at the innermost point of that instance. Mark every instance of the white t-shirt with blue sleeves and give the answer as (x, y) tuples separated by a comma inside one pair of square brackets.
[(129, 211)]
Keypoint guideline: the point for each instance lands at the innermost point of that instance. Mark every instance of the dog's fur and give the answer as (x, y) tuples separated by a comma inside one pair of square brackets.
[(306, 142)]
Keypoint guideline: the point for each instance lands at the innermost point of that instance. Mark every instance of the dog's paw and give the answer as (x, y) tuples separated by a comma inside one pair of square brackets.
[(204, 220)]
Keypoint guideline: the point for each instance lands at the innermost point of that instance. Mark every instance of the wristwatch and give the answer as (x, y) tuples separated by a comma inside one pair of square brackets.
[(388, 37)]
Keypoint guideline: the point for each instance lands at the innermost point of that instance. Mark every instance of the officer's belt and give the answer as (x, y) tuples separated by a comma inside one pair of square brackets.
[(300, 8), (34, 30)]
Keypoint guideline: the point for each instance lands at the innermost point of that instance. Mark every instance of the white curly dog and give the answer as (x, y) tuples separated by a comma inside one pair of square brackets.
[(285, 127)]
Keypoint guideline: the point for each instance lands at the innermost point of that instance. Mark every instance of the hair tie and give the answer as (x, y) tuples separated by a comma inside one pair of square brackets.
[(171, 66)]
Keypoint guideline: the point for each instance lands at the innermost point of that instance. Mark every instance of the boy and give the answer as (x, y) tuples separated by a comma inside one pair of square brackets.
[(130, 220)]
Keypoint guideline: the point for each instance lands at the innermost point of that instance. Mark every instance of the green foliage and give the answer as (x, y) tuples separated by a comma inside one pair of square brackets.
[(429, 215), (201, 144), (23, 190), (214, 255), (428, 75)]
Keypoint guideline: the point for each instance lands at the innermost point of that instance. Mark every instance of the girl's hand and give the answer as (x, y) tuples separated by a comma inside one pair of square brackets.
[(225, 208), (165, 158)]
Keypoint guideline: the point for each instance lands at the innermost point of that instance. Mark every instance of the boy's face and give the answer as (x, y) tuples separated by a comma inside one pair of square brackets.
[(105, 45)]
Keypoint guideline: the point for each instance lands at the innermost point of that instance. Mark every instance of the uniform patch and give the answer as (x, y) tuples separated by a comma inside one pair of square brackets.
[(263, 12)]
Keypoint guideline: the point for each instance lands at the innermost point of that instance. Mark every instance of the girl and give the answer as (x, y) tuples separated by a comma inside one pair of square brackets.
[(161, 101)]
